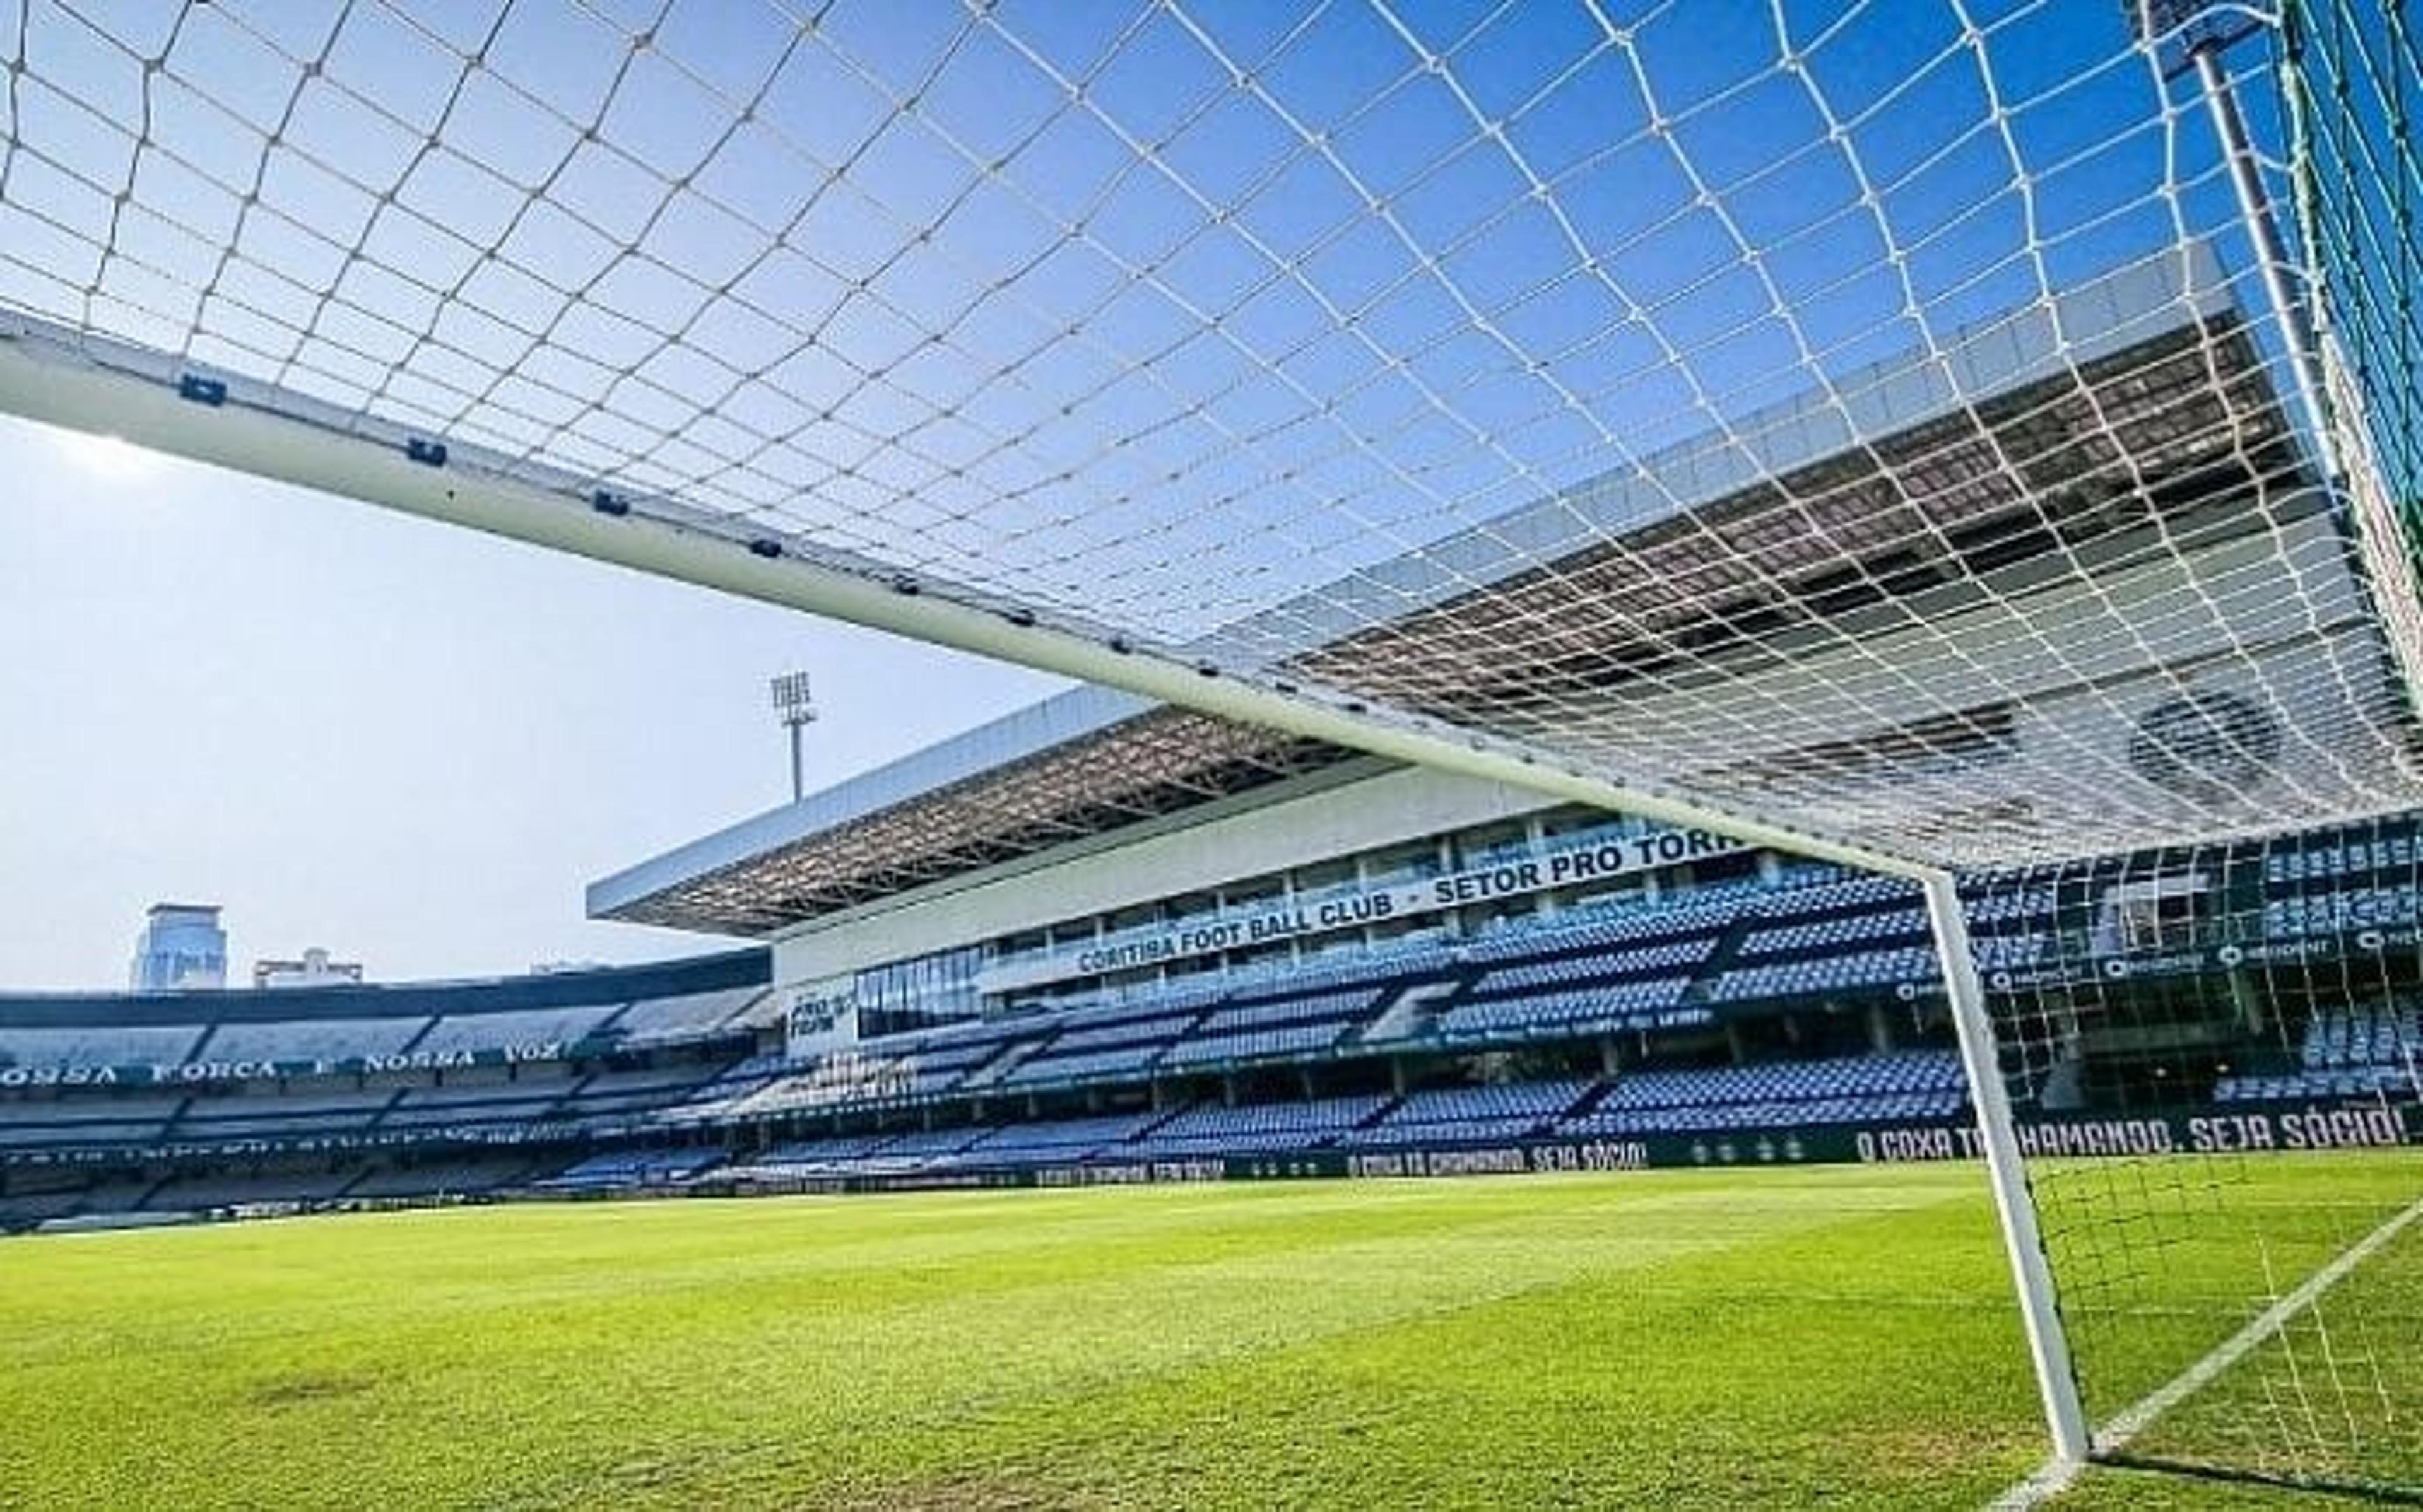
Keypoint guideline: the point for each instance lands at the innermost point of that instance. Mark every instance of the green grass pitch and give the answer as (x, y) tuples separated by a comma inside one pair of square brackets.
[(1779, 1337)]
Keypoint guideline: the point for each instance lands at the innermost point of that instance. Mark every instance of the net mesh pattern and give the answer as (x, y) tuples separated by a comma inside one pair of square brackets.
[(2217, 1050), (1882, 420), (1868, 419), (2215, 1055), (2354, 86)]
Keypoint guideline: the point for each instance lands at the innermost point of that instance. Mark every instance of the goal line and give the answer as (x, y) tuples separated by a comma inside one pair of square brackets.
[(2112, 1441)]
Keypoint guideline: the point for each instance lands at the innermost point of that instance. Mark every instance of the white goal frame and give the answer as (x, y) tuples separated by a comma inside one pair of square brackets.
[(1290, 665), (48, 378)]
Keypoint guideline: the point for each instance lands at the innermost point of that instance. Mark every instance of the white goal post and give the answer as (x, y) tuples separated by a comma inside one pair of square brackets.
[(1892, 433)]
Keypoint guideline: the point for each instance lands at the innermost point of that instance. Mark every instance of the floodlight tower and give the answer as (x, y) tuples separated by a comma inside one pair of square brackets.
[(2194, 36), (797, 710)]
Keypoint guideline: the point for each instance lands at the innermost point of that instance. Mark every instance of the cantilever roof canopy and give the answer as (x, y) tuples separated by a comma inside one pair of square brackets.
[(2143, 427), (1352, 355), (1083, 763)]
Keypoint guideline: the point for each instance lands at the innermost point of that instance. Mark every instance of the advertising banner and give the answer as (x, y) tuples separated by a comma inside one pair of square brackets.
[(1539, 871)]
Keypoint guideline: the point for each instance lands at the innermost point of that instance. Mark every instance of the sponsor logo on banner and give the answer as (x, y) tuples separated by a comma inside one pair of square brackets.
[(1536, 871), (2312, 1127)]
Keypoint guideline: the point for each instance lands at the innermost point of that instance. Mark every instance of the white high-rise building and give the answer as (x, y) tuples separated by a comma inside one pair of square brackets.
[(182, 948)]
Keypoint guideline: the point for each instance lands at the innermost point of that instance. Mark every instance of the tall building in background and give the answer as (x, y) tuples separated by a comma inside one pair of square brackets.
[(182, 946), (315, 969)]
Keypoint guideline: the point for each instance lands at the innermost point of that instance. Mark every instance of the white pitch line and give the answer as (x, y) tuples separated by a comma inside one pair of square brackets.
[(2056, 1474)]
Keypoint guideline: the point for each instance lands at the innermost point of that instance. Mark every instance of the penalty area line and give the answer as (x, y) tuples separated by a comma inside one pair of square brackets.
[(2055, 1475)]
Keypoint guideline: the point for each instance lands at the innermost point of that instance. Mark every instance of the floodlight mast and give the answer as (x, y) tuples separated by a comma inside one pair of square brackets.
[(797, 709), (2195, 35)]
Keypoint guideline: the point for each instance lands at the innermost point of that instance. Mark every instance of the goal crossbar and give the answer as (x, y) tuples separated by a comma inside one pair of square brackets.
[(51, 378), (57, 382)]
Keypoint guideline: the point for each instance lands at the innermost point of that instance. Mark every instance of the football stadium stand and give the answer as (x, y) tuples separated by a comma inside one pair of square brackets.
[(1704, 1023), (1101, 937), (2345, 1054)]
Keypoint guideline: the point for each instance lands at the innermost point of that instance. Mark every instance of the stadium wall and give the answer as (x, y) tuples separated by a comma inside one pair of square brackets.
[(1302, 822)]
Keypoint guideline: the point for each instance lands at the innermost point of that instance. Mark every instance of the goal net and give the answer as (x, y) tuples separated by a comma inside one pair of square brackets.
[(1855, 417), (2217, 1050), (2215, 1057), (1894, 429)]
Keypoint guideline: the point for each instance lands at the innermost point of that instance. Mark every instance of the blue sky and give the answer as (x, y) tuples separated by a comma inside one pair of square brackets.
[(1467, 254), (406, 742), (946, 285)]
